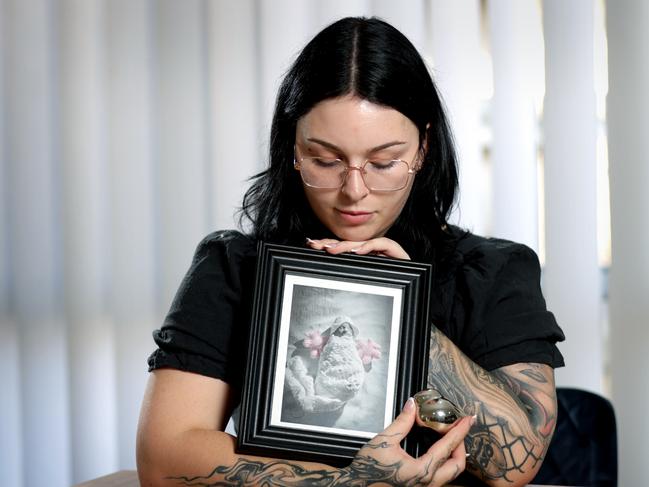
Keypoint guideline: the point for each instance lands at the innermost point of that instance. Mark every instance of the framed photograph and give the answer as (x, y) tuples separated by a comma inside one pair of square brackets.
[(337, 344)]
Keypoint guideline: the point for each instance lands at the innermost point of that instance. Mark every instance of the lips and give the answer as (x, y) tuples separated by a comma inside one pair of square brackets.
[(355, 217)]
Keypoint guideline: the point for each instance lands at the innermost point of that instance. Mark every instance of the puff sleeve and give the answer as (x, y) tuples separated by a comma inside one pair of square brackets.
[(205, 330), (496, 312)]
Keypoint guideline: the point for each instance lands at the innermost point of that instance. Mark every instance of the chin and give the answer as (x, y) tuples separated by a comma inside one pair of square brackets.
[(356, 234)]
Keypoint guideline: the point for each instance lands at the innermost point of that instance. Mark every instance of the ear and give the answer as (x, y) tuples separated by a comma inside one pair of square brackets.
[(423, 148)]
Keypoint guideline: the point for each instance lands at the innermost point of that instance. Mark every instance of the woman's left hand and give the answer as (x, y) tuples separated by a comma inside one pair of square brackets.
[(377, 246)]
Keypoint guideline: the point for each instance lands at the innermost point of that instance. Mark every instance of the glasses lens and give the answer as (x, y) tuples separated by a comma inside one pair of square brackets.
[(386, 175), (323, 173)]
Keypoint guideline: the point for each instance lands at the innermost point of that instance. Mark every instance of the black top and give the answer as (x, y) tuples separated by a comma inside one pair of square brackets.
[(487, 300)]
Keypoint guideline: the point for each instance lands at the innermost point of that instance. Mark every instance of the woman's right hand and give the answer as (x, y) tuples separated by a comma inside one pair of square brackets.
[(384, 462)]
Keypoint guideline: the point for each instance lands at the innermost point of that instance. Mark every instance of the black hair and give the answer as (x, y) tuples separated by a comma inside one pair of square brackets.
[(370, 59)]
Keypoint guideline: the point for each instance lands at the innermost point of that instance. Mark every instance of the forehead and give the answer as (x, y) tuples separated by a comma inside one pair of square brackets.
[(354, 123)]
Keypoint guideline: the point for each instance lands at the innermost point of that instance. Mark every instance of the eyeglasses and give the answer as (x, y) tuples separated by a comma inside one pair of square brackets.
[(378, 175)]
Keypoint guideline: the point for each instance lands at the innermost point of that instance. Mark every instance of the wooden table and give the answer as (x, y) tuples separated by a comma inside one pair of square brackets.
[(123, 478), (128, 478)]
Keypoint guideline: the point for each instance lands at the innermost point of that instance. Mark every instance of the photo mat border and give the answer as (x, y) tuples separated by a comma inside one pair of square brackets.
[(343, 285)]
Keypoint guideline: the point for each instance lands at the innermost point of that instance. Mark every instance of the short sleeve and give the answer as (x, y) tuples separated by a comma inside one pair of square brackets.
[(501, 316), (205, 330)]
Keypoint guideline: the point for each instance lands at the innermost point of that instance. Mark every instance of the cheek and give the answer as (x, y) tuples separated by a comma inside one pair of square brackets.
[(400, 202), (319, 201), (311, 198)]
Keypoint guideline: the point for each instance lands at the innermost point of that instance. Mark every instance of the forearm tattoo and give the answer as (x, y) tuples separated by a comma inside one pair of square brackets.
[(279, 472), (363, 471), (516, 411)]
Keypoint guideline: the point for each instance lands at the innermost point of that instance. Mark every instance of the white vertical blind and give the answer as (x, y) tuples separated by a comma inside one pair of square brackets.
[(517, 67), (407, 16), (34, 238), (82, 138), (462, 78), (332, 10), (284, 27), (235, 133), (129, 128), (181, 136), (572, 279), (131, 192), (10, 416), (628, 120), (11, 419)]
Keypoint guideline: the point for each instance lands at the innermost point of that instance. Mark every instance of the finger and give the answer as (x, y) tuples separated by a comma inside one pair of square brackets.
[(382, 246), (447, 444), (460, 453), (401, 426), (452, 467), (342, 247), (321, 244)]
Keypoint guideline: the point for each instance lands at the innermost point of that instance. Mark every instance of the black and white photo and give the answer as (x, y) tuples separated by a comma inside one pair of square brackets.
[(336, 356)]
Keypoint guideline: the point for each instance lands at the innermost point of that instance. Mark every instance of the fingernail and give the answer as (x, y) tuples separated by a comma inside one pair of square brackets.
[(410, 404), (474, 418), (330, 246), (308, 240), (355, 250), (467, 455)]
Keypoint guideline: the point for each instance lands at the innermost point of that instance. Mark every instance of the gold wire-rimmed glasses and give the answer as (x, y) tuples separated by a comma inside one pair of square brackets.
[(378, 175)]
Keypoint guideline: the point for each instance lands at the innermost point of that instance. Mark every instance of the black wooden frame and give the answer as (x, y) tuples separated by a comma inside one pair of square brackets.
[(275, 262)]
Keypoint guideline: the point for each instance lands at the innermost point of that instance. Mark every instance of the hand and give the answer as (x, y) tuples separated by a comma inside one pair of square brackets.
[(383, 461), (376, 246)]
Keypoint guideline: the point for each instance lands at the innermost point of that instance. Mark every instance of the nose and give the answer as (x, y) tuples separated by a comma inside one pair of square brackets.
[(354, 186)]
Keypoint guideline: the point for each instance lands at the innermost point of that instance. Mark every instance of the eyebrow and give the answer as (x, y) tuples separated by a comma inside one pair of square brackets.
[(373, 149)]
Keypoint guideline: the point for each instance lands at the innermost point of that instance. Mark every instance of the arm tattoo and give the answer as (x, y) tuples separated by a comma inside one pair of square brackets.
[(534, 373), (516, 411), (363, 471), (541, 409), (249, 472)]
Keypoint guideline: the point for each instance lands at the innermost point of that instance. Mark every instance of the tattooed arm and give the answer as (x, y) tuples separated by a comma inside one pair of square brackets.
[(515, 405), (180, 442)]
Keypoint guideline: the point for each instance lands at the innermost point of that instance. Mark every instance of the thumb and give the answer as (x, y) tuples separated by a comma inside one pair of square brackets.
[(401, 426)]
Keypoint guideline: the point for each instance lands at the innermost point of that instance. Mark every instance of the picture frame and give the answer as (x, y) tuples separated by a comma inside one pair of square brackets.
[(337, 344)]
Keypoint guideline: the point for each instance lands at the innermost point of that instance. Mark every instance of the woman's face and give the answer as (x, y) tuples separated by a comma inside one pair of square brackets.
[(355, 130)]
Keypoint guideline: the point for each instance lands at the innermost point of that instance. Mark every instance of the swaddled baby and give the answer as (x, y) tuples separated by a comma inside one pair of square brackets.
[(340, 370)]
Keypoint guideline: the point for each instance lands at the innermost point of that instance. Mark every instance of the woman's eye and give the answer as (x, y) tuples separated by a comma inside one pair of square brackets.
[(325, 162), (383, 165)]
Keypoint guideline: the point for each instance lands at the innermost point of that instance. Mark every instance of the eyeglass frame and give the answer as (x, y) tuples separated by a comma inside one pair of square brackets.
[(361, 169)]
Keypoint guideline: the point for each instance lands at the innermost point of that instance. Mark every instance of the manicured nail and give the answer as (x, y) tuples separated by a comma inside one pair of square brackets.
[(330, 246), (467, 455), (410, 404), (308, 240), (474, 418), (355, 250)]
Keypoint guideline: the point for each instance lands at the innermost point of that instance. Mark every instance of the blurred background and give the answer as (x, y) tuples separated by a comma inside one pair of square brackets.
[(128, 129)]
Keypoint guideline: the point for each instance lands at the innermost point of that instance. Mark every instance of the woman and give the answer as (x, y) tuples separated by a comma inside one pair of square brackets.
[(361, 161)]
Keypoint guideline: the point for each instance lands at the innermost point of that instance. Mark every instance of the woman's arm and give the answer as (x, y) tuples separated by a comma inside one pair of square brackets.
[(515, 405), (181, 442)]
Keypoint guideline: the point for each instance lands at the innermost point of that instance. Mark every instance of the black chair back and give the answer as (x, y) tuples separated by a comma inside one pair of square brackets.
[(583, 451)]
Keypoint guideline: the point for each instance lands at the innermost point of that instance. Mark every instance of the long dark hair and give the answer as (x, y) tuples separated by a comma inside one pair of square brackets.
[(370, 59)]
